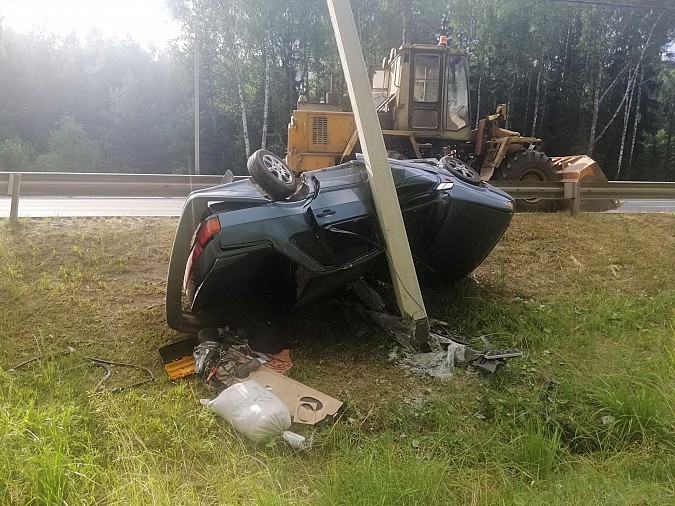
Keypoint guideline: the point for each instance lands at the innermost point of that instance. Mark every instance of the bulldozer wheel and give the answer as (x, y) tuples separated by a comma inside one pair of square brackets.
[(531, 165)]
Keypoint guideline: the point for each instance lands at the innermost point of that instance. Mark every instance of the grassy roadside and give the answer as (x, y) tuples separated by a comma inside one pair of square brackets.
[(586, 417)]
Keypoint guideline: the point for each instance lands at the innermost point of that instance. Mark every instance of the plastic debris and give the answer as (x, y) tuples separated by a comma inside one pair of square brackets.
[(255, 412)]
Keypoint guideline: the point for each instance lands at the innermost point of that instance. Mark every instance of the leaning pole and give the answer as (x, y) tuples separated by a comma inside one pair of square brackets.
[(403, 275)]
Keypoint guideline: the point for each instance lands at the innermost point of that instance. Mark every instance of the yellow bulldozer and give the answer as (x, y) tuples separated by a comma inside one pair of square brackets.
[(421, 94)]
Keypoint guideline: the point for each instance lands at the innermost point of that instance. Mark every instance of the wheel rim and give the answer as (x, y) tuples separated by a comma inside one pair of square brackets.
[(277, 168), (464, 170), (467, 172)]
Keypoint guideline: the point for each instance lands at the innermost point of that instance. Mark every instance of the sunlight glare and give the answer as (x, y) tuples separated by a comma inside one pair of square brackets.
[(149, 22)]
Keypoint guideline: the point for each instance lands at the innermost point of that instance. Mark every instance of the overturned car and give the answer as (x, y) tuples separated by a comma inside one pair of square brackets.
[(274, 240)]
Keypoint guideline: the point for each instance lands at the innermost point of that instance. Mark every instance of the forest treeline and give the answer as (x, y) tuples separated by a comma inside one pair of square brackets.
[(594, 79)]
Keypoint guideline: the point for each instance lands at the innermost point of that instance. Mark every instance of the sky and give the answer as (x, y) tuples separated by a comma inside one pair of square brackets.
[(146, 21)]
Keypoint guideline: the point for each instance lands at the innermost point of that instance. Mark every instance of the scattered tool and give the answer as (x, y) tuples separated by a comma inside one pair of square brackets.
[(178, 359)]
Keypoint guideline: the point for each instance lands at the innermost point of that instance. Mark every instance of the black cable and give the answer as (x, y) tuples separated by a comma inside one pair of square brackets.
[(103, 362), (106, 376), (100, 362), (40, 357)]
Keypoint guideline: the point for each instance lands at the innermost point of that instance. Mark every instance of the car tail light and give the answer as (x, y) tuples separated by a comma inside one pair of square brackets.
[(207, 230), (204, 234)]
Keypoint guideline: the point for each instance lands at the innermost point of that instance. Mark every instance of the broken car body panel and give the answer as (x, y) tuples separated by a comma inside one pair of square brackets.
[(293, 251)]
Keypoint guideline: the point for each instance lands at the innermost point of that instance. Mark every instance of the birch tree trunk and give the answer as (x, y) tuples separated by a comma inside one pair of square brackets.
[(564, 65), (237, 65), (469, 42), (305, 69), (638, 117), (596, 107), (212, 105), (244, 122), (626, 118), (480, 82), (509, 101), (266, 102), (527, 101), (631, 82), (407, 8), (536, 97)]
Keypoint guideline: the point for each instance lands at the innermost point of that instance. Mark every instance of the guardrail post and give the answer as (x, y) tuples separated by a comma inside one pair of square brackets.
[(572, 191), (13, 190)]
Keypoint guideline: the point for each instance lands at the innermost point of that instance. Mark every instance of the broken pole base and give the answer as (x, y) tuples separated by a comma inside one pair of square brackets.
[(412, 335), (423, 340)]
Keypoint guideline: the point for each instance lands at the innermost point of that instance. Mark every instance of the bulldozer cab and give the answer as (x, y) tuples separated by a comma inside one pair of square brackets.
[(421, 93), (424, 89)]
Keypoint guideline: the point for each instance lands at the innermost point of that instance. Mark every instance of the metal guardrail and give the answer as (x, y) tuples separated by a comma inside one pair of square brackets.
[(609, 190), (576, 192), (96, 184), (75, 184)]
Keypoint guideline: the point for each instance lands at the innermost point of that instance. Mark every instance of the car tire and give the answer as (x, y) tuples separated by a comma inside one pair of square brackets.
[(531, 165), (271, 174), (461, 170)]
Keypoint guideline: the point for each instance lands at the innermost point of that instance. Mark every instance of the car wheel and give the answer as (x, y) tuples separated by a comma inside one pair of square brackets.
[(271, 174), (461, 170), (531, 165)]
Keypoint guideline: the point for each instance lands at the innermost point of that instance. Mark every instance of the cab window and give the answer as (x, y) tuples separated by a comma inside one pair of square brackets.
[(456, 94), (426, 77), (380, 86)]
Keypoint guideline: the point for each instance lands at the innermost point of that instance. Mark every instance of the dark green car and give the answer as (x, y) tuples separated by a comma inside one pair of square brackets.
[(237, 247)]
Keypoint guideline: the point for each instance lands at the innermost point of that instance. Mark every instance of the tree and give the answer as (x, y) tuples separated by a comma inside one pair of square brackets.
[(667, 99), (15, 155), (585, 78), (70, 149)]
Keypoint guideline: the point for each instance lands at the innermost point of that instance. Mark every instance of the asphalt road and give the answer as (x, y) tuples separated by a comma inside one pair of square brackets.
[(104, 206), (41, 207), (646, 206)]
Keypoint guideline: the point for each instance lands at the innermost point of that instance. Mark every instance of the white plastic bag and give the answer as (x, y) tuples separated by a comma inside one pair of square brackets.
[(252, 410)]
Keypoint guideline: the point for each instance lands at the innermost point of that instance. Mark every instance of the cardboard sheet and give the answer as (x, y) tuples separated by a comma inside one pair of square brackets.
[(306, 405)]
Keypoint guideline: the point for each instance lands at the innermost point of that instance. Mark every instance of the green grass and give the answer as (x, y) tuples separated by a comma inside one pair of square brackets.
[(585, 417), (536, 450), (635, 411), (48, 437)]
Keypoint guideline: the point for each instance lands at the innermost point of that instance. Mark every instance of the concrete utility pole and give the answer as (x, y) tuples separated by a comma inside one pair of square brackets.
[(196, 71), (403, 275)]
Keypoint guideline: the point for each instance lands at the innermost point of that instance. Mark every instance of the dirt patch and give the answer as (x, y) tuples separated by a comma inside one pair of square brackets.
[(94, 283), (557, 253)]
